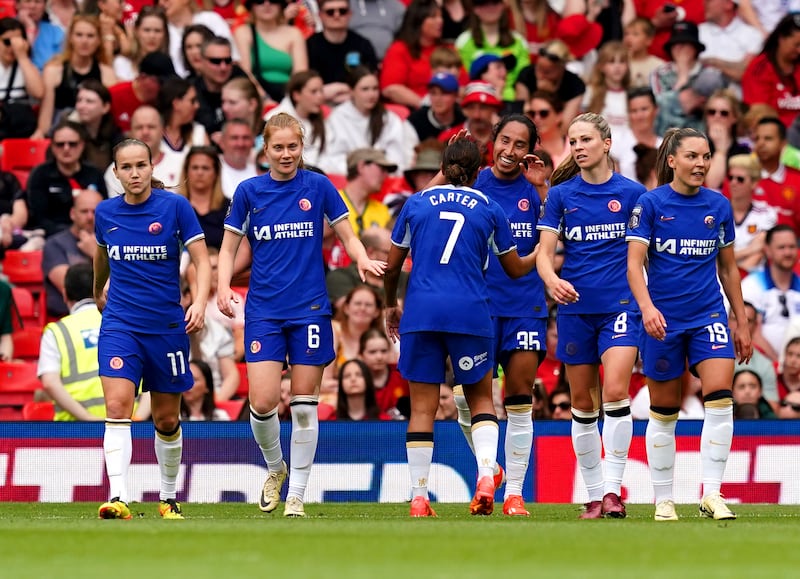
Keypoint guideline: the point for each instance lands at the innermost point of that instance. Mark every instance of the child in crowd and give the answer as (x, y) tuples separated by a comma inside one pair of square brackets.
[(638, 37)]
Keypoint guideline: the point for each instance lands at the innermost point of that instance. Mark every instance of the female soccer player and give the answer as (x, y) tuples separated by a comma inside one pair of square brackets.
[(143, 337), (450, 230), (598, 320), (686, 233), (287, 309)]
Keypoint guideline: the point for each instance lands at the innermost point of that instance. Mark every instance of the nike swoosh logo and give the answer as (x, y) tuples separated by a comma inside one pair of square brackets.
[(715, 443), (664, 218), (573, 210), (717, 346), (112, 229), (661, 445), (258, 209), (583, 453), (618, 336)]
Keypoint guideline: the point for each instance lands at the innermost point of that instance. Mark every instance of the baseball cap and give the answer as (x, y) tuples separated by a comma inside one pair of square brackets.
[(375, 156), (481, 92), (157, 64), (480, 64), (445, 81)]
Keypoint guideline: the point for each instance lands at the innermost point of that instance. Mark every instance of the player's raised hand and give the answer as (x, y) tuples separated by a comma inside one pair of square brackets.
[(374, 266), (462, 134), (534, 170)]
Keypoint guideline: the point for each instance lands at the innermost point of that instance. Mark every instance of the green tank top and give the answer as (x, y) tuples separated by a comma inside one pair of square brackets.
[(274, 66)]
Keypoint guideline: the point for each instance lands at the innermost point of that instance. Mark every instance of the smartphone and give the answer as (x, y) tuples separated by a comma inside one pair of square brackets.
[(669, 8)]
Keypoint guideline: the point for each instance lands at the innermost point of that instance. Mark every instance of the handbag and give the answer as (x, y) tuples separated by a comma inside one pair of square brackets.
[(18, 120)]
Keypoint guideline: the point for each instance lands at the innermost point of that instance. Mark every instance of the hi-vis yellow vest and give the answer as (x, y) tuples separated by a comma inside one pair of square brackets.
[(76, 336)]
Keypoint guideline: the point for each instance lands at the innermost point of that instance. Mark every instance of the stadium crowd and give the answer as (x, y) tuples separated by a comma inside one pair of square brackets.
[(380, 87)]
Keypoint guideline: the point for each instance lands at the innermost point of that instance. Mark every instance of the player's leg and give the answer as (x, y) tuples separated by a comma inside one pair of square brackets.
[(716, 377)]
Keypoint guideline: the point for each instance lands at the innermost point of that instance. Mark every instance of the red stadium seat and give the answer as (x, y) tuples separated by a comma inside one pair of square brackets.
[(20, 156), (43, 411), (26, 307), (244, 385), (339, 181), (232, 407), (27, 342), (400, 110), (8, 9), (18, 382), (23, 267)]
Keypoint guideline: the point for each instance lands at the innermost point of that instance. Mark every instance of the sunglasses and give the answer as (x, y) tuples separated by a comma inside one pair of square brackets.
[(218, 61), (721, 112), (795, 407), (549, 55), (477, 3), (561, 406), (66, 144), (737, 178), (7, 41), (784, 307), (336, 12), (542, 114)]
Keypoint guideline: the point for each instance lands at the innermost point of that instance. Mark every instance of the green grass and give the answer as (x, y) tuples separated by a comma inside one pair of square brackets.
[(380, 541)]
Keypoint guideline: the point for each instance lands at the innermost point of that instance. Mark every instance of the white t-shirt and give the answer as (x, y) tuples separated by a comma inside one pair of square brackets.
[(761, 217), (232, 177)]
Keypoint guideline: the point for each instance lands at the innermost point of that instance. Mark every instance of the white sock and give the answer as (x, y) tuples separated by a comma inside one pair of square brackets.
[(117, 448), (267, 432), (617, 434), (419, 450), (305, 434), (519, 440), (715, 444), (464, 415), (485, 434), (588, 451), (660, 440), (169, 449)]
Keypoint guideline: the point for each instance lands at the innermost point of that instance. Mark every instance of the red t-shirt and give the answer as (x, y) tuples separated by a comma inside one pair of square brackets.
[(549, 371), (695, 12), (783, 196), (762, 84), (399, 67), (123, 104), (396, 386)]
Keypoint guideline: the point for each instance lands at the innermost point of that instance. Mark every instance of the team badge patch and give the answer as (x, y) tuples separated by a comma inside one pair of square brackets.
[(304, 204), (116, 363), (155, 228), (465, 363), (709, 221), (636, 214), (523, 205), (255, 347), (614, 206)]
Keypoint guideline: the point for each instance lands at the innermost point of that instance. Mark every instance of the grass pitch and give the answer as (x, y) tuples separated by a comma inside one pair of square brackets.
[(380, 541)]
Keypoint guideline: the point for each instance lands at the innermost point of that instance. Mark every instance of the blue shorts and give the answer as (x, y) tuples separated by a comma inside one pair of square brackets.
[(583, 338), (308, 342), (423, 357), (159, 361), (513, 334), (666, 360)]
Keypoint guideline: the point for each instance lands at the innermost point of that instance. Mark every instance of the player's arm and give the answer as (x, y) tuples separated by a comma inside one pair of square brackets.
[(101, 274), (516, 266), (227, 255), (196, 313), (561, 290), (393, 312), (731, 283), (355, 249), (653, 320)]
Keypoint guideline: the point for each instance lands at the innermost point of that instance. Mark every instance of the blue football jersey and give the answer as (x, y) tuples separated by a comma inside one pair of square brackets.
[(450, 231), (591, 221), (283, 221), (683, 234), (523, 297), (144, 244)]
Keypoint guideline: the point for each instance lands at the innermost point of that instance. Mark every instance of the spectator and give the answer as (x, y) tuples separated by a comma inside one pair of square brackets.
[(270, 49), (536, 21), (779, 186), (197, 403), (366, 171), (638, 39), (764, 15), (201, 184), (194, 37), (112, 31), (722, 113), (66, 248), (560, 405), (775, 290), (548, 114), (752, 219), (236, 144), (425, 167), (790, 406), (363, 121), (92, 110), (378, 21), (493, 69), (447, 404), (730, 42), (150, 34), (747, 389), (789, 378), (83, 58), (642, 113), (47, 38), (773, 77), (21, 82), (177, 103), (481, 107), (455, 14), (13, 212), (606, 92), (126, 97), (240, 100), (147, 126), (550, 74), (337, 48), (759, 363), (6, 329), (53, 185), (356, 398), (664, 14), (443, 112), (406, 66), (677, 83), (68, 366), (390, 387), (184, 13), (61, 12), (214, 70), (304, 99), (490, 31), (541, 408)]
